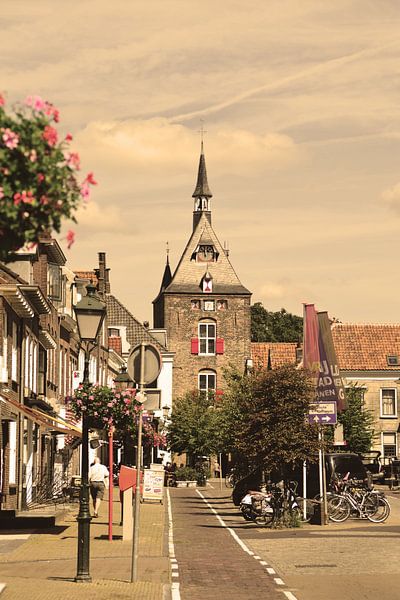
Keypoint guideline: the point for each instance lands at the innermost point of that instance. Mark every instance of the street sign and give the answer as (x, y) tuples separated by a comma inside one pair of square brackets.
[(152, 363), (323, 412)]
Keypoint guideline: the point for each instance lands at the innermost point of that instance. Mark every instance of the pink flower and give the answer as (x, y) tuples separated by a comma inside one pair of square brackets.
[(1, 193), (40, 177), (44, 200), (2, 101), (68, 137), (70, 237), (50, 135), (35, 102), (33, 155), (85, 192), (73, 160), (91, 397), (90, 179), (10, 138)]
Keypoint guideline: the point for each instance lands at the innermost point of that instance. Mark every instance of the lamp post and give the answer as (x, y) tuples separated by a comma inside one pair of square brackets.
[(90, 312)]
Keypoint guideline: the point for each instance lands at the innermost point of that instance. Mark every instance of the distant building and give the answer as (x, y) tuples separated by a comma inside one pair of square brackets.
[(203, 306)]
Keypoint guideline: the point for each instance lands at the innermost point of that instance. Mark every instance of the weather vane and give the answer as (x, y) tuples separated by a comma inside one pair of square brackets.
[(202, 131)]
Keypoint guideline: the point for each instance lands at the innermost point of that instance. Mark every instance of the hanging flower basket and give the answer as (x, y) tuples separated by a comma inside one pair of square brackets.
[(105, 407), (38, 175)]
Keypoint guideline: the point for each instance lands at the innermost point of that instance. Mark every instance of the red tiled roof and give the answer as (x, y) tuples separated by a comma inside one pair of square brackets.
[(366, 347), (115, 343), (90, 275), (282, 353)]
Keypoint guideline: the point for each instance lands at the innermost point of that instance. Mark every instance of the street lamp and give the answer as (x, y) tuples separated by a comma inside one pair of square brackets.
[(90, 312), (123, 380)]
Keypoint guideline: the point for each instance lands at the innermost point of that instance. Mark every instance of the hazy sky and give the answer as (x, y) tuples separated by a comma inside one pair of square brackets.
[(301, 103)]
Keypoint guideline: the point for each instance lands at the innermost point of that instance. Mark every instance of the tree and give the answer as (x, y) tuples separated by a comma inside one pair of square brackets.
[(357, 421), (280, 326), (268, 414), (195, 425)]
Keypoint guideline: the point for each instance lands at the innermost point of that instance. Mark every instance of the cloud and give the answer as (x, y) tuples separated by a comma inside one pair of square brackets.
[(391, 197)]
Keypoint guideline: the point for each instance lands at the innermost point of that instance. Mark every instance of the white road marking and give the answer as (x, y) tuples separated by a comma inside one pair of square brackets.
[(278, 581), (257, 557), (175, 593), (2, 587), (271, 571), (262, 562), (290, 596)]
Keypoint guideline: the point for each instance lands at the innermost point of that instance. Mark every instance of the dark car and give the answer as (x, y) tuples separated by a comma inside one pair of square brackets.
[(336, 463), (372, 462)]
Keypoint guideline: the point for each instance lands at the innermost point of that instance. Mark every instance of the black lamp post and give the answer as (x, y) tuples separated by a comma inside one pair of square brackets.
[(90, 312), (123, 380)]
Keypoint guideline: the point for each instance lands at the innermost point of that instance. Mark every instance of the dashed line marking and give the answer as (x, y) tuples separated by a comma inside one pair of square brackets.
[(175, 593), (270, 570)]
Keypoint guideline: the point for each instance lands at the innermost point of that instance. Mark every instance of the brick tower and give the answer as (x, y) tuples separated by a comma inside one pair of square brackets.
[(203, 305)]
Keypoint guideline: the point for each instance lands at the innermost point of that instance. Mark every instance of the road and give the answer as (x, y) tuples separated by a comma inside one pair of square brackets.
[(218, 554)]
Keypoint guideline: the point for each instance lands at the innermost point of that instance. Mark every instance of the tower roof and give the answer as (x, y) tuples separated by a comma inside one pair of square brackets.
[(202, 189), (167, 277)]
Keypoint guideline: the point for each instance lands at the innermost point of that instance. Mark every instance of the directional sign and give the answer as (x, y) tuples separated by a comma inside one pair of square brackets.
[(323, 412)]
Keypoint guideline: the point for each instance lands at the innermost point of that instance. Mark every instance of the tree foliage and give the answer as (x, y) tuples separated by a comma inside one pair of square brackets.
[(267, 414), (357, 421), (280, 326), (196, 425)]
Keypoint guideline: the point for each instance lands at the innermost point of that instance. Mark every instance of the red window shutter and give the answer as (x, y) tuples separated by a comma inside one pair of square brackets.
[(195, 345), (219, 346)]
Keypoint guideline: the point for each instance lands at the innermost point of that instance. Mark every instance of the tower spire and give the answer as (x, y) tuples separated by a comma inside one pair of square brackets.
[(202, 194)]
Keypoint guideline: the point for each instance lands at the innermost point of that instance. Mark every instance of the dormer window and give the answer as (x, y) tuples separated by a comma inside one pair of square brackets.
[(392, 360)]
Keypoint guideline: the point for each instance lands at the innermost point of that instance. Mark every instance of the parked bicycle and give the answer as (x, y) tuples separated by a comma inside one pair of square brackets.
[(350, 497)]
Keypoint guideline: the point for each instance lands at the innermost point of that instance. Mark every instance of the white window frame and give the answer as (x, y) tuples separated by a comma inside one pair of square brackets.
[(12, 436), (207, 374), (383, 434), (14, 352), (209, 305), (394, 414), (207, 338)]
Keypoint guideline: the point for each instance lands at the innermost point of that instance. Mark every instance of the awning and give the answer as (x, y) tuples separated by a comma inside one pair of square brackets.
[(16, 299), (44, 420), (36, 298), (47, 341)]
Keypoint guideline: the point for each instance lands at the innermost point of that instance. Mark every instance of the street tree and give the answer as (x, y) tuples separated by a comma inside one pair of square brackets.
[(195, 426), (357, 421), (267, 415), (280, 326)]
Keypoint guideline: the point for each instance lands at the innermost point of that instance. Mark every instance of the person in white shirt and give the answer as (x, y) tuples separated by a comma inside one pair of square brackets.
[(98, 478)]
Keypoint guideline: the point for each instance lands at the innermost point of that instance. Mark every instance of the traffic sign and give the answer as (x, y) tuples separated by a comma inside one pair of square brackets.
[(152, 363), (323, 412)]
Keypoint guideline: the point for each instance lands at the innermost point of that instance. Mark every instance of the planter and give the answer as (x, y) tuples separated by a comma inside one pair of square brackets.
[(190, 484)]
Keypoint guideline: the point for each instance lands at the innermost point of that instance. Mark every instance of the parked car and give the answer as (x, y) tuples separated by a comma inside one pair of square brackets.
[(339, 463), (372, 462)]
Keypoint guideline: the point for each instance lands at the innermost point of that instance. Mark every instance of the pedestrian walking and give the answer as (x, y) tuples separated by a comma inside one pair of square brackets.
[(98, 480)]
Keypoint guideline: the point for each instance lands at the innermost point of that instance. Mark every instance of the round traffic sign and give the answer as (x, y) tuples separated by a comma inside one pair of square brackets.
[(152, 363)]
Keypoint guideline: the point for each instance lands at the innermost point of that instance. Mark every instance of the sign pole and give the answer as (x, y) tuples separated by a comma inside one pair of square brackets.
[(110, 482), (135, 542)]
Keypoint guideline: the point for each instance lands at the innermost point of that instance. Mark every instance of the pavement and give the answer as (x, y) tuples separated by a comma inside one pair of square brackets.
[(355, 560), (42, 565)]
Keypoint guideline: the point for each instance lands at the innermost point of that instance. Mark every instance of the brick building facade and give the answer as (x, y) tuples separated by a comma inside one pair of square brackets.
[(203, 306)]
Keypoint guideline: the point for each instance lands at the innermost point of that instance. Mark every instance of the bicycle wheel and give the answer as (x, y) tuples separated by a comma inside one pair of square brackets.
[(310, 507), (376, 508), (338, 508)]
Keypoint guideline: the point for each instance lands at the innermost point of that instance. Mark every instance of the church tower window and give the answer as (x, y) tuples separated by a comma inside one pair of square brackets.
[(207, 381), (207, 338)]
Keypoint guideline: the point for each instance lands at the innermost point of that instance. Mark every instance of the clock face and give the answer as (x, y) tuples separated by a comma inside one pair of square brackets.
[(205, 253)]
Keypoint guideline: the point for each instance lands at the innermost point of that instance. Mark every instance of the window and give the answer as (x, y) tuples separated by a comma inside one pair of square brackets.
[(207, 381), (388, 402), (222, 304), (14, 352), (209, 305), (195, 304), (54, 282), (389, 445), (113, 332), (392, 360), (207, 337)]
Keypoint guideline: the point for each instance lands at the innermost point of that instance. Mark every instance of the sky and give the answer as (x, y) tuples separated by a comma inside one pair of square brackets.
[(300, 102)]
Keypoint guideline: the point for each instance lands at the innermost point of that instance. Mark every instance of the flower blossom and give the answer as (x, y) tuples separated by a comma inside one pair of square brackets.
[(10, 138), (36, 102), (2, 101), (1, 193), (73, 160), (50, 135), (68, 137), (33, 155), (26, 197), (90, 179), (70, 237)]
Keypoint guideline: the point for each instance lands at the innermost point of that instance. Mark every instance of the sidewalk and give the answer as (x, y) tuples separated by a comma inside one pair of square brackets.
[(44, 566)]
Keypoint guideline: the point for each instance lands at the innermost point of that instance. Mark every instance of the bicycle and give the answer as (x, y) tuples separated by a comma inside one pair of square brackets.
[(349, 498)]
